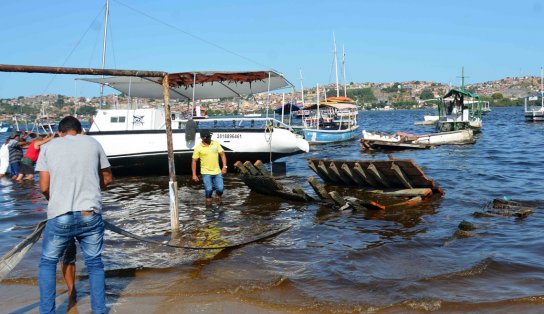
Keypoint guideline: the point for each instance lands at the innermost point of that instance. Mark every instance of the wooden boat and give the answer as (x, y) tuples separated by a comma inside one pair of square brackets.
[(330, 121), (401, 140)]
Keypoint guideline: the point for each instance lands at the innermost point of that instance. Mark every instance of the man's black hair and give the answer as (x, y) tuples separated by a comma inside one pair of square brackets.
[(70, 123)]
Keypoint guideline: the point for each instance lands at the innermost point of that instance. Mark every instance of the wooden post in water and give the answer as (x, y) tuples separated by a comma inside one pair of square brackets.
[(172, 184)]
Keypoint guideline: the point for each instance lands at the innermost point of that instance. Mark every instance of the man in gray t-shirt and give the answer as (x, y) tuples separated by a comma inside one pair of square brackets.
[(73, 168)]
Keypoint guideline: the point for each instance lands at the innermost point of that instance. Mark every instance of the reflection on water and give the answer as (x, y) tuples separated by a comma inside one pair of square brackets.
[(398, 260)]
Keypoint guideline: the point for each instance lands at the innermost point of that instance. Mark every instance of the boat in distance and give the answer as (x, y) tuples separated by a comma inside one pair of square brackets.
[(134, 139)]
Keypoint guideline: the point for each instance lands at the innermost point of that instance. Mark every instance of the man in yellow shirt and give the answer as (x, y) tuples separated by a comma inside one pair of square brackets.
[(212, 176)]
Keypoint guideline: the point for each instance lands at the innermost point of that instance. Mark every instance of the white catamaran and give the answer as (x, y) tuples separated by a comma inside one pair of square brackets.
[(134, 140)]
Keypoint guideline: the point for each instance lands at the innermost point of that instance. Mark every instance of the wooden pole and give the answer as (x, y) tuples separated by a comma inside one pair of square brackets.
[(80, 71), (173, 185)]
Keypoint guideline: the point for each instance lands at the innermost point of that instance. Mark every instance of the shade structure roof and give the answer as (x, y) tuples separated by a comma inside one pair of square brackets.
[(287, 108), (339, 106), (209, 84), (454, 92)]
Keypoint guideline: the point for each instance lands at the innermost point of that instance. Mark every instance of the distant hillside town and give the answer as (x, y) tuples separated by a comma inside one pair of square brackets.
[(392, 95)]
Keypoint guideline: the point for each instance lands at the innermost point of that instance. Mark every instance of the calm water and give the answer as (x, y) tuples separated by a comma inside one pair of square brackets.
[(404, 260)]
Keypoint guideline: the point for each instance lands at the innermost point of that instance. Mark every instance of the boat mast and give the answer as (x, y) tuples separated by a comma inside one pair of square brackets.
[(104, 49), (301, 87), (336, 66), (344, 70), (541, 88)]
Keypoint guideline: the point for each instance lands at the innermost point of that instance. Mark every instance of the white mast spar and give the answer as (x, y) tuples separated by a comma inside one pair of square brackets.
[(104, 49), (336, 66), (344, 70), (541, 88), (301, 88)]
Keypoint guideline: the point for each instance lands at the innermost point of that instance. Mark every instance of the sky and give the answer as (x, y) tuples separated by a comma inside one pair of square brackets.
[(384, 41)]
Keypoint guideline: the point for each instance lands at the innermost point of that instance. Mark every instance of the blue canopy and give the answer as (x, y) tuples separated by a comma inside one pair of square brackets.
[(288, 107)]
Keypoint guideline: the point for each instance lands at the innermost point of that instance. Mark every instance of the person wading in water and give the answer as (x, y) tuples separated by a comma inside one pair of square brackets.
[(212, 176)]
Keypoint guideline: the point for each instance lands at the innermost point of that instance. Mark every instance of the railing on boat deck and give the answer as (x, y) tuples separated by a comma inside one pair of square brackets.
[(234, 123)]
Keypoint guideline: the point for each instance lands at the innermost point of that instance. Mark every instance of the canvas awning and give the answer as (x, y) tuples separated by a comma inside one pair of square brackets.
[(209, 85), (287, 108), (456, 92), (339, 106)]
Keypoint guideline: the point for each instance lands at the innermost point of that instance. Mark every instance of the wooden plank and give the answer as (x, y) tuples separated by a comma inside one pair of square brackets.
[(345, 179), (401, 176), (355, 178), (358, 170), (290, 196), (355, 202), (299, 191), (332, 177), (262, 169), (423, 192), (241, 167), (339, 200), (411, 202), (318, 188), (313, 165), (251, 169), (262, 184), (378, 176)]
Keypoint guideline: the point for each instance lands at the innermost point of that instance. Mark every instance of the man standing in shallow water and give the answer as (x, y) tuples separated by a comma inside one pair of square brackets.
[(73, 168), (212, 176)]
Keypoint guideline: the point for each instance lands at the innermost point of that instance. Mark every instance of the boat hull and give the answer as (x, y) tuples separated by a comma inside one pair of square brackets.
[(535, 115), (145, 152), (328, 136)]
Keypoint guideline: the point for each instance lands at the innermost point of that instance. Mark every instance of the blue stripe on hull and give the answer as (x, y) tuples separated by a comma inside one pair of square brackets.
[(328, 136)]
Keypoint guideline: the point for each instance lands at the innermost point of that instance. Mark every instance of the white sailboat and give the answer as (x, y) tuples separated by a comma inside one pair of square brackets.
[(334, 119)]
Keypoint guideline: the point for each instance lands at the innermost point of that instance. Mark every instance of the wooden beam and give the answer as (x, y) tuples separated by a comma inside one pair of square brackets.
[(262, 169), (251, 169), (241, 167), (377, 175), (355, 178), (362, 173), (339, 174), (401, 176), (318, 188), (329, 173), (79, 71)]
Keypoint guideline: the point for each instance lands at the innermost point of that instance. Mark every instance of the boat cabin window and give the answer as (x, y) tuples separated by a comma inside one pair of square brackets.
[(117, 119)]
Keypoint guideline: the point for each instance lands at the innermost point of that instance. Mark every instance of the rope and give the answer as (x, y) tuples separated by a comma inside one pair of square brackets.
[(15, 255), (268, 138), (260, 237)]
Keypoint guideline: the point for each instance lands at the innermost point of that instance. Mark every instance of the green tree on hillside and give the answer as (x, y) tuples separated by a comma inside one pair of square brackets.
[(496, 96), (426, 94)]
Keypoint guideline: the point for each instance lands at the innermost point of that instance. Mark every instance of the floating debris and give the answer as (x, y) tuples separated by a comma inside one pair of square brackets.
[(501, 207)]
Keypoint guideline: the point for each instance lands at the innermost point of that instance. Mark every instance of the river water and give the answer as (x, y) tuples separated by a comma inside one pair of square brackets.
[(405, 260)]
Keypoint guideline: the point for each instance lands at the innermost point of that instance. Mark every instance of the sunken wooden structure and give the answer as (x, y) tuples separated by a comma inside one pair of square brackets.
[(393, 177), (259, 180), (395, 183)]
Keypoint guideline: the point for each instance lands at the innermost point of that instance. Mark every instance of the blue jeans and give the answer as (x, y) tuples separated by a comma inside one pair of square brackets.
[(14, 169), (59, 231), (211, 181)]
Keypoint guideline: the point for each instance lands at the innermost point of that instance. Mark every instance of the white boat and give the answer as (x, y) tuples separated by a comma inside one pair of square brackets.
[(455, 113), (4, 127), (252, 115), (534, 112), (427, 120), (401, 140), (135, 142)]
